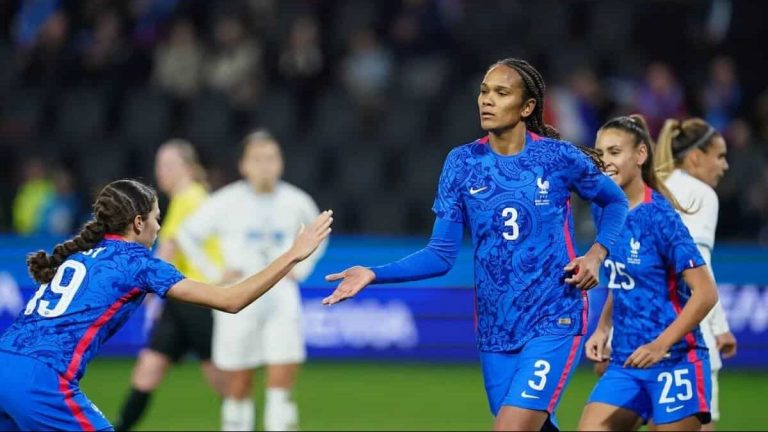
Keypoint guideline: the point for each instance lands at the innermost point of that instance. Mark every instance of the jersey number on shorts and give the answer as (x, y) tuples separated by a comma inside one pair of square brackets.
[(510, 220), (542, 369), (67, 291), (617, 267), (680, 381)]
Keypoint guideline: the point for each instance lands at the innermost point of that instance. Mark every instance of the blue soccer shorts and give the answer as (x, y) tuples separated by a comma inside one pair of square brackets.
[(533, 377), (35, 397), (666, 394)]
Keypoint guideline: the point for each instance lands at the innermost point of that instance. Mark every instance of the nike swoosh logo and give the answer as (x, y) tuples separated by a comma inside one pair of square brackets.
[(473, 191), (671, 410), (528, 396)]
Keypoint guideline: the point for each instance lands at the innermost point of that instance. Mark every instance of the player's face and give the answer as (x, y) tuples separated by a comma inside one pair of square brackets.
[(149, 227), (622, 157), (169, 168), (711, 164), (501, 101), (262, 164)]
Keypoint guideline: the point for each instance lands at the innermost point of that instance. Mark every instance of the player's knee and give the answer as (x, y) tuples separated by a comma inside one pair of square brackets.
[(150, 370)]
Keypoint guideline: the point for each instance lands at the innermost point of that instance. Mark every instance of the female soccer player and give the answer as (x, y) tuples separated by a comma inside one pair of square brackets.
[(90, 285), (659, 293), (690, 158), (512, 189)]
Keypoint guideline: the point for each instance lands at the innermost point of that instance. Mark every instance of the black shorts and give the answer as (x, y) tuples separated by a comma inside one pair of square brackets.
[(183, 328)]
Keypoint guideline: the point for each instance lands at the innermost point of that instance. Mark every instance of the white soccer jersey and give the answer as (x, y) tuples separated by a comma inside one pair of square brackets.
[(253, 229), (701, 200)]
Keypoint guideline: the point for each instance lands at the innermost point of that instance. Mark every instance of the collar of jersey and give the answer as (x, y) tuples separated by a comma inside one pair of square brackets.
[(116, 237)]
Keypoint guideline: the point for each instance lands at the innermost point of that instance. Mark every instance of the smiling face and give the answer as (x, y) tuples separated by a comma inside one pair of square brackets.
[(622, 156), (502, 102)]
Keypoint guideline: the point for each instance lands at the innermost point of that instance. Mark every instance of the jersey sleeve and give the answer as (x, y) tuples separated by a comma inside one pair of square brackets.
[(583, 175), (157, 276), (702, 222), (448, 204), (675, 242)]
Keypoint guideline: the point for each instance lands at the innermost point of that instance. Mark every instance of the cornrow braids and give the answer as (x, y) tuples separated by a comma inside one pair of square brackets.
[(534, 88), (116, 205)]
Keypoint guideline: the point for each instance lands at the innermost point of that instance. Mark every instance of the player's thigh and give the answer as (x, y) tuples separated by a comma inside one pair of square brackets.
[(622, 389), (680, 391), (544, 368), (512, 418), (284, 338), (598, 416), (238, 341), (498, 370)]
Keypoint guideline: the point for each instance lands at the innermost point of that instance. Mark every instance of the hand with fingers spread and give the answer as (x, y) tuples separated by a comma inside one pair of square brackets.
[(647, 355), (586, 269), (352, 279), (310, 237)]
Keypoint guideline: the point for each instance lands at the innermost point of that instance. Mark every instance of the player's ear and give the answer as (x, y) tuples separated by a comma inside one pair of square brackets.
[(137, 224), (528, 108), (642, 154)]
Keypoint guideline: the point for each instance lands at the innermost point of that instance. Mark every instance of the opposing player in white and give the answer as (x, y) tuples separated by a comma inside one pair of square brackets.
[(690, 156), (255, 220)]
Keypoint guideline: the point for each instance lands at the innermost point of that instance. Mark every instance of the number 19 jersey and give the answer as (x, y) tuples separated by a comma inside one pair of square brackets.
[(518, 211), (91, 296)]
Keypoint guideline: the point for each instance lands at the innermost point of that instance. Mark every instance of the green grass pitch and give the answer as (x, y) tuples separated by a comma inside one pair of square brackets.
[(383, 396)]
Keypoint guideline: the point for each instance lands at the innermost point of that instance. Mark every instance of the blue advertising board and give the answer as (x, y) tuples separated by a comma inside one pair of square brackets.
[(426, 320)]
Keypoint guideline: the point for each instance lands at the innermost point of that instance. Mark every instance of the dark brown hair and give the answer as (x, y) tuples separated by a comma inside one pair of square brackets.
[(635, 125), (534, 88), (116, 205)]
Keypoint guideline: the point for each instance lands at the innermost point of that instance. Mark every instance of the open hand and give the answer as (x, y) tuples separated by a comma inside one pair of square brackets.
[(310, 237), (352, 279)]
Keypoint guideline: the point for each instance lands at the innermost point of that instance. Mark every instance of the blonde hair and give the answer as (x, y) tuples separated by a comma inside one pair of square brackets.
[(677, 139), (190, 158)]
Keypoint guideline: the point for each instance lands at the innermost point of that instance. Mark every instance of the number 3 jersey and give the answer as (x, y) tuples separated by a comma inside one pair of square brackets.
[(517, 209), (91, 296), (644, 273)]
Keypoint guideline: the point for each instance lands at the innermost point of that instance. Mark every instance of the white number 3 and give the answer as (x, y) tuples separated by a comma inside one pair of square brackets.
[(542, 369), (510, 216), (67, 291)]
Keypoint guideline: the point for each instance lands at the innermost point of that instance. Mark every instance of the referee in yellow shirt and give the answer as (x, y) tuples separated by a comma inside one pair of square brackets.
[(181, 328)]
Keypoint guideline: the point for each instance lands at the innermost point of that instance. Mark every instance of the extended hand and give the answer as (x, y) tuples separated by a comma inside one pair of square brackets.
[(646, 355), (726, 344), (309, 238), (352, 279)]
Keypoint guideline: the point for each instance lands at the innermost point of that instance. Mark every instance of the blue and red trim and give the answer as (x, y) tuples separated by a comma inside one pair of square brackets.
[(65, 380), (648, 195), (571, 256), (564, 376), (690, 340)]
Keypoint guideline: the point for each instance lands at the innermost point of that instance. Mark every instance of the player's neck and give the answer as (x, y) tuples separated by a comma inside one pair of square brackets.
[(635, 192), (508, 142), (181, 186), (264, 188)]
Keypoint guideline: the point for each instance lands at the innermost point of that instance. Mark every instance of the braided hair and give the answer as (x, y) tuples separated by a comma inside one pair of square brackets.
[(116, 205), (534, 88), (636, 126)]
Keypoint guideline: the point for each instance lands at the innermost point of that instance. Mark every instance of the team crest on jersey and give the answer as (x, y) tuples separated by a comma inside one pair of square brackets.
[(634, 251), (542, 197)]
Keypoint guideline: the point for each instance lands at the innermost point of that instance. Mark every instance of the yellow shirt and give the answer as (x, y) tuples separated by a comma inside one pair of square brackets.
[(180, 208)]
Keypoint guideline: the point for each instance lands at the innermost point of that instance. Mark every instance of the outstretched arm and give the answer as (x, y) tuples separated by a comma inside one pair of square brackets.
[(436, 259), (234, 298)]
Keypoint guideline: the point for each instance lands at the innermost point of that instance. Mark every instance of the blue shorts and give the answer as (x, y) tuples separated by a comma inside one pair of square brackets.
[(35, 397), (534, 376), (665, 394)]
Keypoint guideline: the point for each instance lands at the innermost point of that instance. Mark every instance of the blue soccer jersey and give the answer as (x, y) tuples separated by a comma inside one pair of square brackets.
[(518, 211), (91, 296), (644, 272)]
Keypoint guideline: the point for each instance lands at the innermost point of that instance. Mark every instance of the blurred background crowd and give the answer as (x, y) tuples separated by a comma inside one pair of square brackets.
[(365, 96)]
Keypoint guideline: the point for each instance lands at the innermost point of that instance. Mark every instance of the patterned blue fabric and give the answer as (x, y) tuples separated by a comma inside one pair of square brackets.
[(644, 273), (89, 299), (517, 210)]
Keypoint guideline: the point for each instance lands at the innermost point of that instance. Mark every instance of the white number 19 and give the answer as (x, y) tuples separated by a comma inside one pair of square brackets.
[(67, 291)]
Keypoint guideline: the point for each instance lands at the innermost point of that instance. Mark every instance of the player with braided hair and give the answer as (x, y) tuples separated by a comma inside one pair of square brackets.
[(512, 189), (90, 285)]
